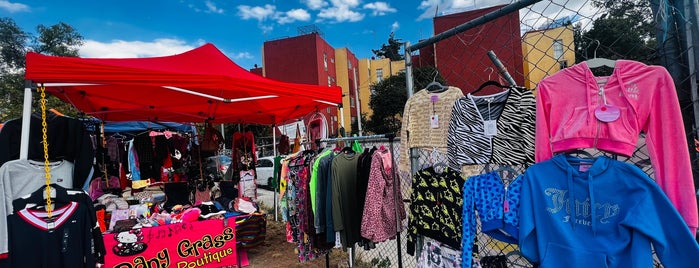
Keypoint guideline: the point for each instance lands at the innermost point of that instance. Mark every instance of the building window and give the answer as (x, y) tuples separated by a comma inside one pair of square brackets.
[(351, 102), (563, 64), (325, 61), (330, 81), (557, 48), (354, 119), (327, 110), (349, 65), (379, 75)]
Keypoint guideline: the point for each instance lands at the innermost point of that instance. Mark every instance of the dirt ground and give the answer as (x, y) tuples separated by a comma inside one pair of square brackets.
[(277, 252)]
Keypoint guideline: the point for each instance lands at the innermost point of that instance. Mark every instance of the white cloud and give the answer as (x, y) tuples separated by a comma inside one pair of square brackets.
[(380, 8), (13, 7), (315, 4), (292, 15), (259, 13), (212, 8), (269, 13), (143, 49), (133, 49), (241, 55), (266, 28), (347, 3), (395, 26), (340, 14)]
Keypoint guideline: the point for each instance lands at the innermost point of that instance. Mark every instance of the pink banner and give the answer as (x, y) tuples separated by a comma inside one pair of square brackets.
[(193, 244)]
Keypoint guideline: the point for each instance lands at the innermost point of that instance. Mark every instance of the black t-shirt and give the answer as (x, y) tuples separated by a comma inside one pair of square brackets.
[(67, 243), (67, 138)]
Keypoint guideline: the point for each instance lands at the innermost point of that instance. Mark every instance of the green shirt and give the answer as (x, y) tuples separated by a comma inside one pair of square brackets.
[(344, 198), (313, 184)]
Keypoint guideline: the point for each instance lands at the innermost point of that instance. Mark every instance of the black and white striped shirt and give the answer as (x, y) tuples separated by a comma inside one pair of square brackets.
[(513, 112)]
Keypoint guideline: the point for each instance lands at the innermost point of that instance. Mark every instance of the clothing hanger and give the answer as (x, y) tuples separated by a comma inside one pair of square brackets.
[(347, 150), (118, 136), (490, 83), (580, 157), (596, 62), (580, 154), (434, 86), (59, 195)]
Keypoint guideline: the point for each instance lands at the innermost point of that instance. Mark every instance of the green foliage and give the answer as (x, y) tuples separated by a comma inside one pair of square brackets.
[(625, 31), (390, 51), (58, 40), (381, 262), (388, 100), (12, 49)]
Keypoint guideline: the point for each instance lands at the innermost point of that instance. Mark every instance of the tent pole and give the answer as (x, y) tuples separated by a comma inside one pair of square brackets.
[(27, 117), (223, 135), (274, 187)]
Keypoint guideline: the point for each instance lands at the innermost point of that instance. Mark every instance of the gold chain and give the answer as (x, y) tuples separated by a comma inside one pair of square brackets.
[(42, 89)]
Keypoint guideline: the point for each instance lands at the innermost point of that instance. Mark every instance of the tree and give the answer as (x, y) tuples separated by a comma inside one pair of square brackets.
[(388, 100), (58, 40), (390, 51), (625, 31), (12, 50)]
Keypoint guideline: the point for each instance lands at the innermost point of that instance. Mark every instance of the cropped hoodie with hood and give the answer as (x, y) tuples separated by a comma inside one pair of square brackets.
[(599, 213), (647, 101)]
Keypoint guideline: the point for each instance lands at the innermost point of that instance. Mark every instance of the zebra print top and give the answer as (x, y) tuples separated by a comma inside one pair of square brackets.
[(513, 143)]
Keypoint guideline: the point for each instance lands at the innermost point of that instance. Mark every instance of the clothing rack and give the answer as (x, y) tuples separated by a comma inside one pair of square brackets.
[(391, 137)]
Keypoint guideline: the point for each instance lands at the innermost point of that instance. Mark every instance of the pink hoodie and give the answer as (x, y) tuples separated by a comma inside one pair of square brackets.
[(646, 97)]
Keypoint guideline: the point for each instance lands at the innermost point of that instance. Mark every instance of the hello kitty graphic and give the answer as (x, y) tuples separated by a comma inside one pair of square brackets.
[(130, 243)]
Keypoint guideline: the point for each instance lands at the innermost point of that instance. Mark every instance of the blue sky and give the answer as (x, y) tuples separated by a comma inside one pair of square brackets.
[(144, 28)]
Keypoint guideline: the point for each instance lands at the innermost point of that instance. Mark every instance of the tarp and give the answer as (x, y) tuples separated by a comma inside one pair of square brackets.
[(197, 85), (133, 126)]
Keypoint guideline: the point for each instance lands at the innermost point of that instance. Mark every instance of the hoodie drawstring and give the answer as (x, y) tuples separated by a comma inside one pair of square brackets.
[(593, 207), (571, 197)]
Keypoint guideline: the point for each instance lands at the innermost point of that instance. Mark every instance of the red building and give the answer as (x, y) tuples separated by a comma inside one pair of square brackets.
[(463, 60), (306, 59)]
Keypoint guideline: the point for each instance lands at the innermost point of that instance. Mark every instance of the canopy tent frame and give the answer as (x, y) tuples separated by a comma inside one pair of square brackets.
[(200, 85)]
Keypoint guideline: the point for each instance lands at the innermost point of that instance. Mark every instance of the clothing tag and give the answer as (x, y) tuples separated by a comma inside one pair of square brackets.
[(434, 121), (491, 128), (607, 113), (338, 242), (434, 98), (584, 167)]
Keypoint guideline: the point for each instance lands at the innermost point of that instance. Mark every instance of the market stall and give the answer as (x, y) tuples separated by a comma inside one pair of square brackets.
[(201, 85)]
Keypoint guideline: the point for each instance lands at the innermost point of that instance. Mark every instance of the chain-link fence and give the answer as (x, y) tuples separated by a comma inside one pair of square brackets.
[(534, 39)]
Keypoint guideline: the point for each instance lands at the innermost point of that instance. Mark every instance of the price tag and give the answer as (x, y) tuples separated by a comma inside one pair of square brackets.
[(434, 121), (491, 128), (607, 113)]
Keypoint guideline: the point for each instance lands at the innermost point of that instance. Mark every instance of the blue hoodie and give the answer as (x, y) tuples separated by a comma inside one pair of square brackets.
[(604, 213)]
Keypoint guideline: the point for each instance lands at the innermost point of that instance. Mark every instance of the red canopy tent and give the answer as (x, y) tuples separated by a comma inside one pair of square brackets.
[(197, 85)]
